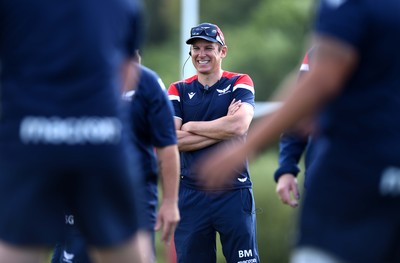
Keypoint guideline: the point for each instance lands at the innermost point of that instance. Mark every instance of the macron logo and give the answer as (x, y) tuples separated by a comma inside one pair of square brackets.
[(224, 91), (390, 182), (67, 257), (191, 95), (242, 180)]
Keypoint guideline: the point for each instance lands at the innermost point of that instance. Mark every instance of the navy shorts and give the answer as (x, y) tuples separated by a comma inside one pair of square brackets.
[(74, 248), (230, 213), (39, 183), (352, 208)]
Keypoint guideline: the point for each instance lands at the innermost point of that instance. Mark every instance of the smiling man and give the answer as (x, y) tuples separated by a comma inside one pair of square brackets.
[(212, 108)]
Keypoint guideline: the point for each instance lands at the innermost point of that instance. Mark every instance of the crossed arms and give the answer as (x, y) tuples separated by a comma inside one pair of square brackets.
[(195, 135)]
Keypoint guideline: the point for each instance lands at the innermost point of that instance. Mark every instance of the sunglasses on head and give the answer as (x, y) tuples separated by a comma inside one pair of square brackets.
[(208, 31)]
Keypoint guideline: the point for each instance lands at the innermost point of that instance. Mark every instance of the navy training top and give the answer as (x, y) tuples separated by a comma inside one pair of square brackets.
[(192, 102), (152, 122)]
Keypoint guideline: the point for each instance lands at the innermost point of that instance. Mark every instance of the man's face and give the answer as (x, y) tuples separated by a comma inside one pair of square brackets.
[(207, 56)]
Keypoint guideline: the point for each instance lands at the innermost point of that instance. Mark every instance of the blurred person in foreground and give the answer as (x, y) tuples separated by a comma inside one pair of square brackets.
[(213, 107), (63, 143), (351, 212), (153, 131)]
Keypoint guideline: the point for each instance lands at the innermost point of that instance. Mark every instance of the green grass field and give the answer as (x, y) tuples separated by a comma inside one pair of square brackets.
[(275, 221)]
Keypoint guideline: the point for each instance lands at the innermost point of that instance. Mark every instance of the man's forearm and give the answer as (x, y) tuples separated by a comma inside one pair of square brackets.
[(169, 167), (223, 128), (220, 129), (190, 142)]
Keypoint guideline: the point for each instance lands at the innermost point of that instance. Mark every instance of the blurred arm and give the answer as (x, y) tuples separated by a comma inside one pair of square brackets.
[(333, 62), (291, 148), (168, 213)]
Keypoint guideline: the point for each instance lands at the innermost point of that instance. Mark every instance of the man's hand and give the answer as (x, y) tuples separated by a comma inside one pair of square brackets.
[(287, 190), (167, 218), (233, 107)]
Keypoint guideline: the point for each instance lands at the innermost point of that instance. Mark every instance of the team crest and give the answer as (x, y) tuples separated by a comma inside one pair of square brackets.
[(224, 91)]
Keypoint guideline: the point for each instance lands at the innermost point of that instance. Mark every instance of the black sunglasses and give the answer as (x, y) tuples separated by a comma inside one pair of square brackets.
[(208, 31)]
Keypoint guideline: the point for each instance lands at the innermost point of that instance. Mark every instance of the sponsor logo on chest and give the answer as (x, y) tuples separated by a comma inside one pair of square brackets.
[(224, 91)]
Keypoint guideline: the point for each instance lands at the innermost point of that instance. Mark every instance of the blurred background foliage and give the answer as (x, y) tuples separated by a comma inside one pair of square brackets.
[(266, 38)]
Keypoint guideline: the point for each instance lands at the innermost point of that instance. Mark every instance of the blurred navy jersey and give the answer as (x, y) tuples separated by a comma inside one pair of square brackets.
[(359, 141), (362, 123), (67, 62), (152, 123), (365, 114), (192, 102), (62, 138)]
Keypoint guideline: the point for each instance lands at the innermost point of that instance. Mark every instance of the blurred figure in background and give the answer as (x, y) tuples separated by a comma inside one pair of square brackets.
[(293, 144), (152, 123)]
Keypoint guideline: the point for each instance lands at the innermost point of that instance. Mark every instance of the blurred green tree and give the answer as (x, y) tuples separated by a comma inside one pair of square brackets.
[(266, 38)]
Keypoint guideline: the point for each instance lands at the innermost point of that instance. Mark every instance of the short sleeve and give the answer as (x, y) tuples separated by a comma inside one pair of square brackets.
[(243, 89), (174, 97), (160, 116)]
